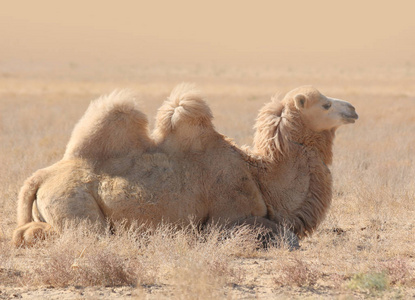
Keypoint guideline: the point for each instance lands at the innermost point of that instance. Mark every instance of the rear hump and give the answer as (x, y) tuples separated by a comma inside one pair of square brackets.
[(184, 111)]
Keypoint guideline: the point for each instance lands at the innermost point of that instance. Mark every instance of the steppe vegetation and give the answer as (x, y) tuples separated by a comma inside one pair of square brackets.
[(365, 246)]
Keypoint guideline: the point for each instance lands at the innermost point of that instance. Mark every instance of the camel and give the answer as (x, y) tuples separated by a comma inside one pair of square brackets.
[(113, 170)]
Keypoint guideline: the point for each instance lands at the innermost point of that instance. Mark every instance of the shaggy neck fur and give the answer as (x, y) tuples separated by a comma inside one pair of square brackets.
[(280, 126), (282, 137)]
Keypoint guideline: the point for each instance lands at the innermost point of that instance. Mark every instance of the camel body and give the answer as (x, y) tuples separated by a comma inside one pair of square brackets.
[(113, 170)]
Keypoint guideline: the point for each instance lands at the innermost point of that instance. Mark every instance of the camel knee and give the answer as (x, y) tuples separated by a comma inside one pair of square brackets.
[(28, 234)]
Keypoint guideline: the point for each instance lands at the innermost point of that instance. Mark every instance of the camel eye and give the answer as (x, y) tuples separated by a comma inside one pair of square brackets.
[(327, 106)]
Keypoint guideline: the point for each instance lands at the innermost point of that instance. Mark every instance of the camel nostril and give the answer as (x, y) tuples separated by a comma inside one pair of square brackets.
[(352, 110), (351, 107), (354, 113)]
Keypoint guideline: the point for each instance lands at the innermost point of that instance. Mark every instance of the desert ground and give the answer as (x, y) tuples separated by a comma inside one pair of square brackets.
[(364, 248)]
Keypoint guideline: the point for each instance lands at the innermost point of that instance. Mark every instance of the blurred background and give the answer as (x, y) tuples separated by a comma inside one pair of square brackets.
[(50, 37)]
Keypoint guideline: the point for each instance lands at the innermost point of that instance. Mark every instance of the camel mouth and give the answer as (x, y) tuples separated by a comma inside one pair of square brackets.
[(350, 118)]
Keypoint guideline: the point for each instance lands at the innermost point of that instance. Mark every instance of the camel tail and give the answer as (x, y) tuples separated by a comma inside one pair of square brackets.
[(112, 126), (27, 196), (184, 107)]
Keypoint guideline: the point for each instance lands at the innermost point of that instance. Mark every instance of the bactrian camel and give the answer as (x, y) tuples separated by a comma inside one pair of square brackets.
[(113, 170)]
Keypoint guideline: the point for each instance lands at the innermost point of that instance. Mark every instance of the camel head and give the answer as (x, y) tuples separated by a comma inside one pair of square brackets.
[(319, 112)]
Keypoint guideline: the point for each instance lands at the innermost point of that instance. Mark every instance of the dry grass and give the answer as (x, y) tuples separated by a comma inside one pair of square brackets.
[(297, 272), (365, 247), (183, 260)]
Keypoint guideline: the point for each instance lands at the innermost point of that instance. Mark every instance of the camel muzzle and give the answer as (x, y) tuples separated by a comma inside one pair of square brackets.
[(350, 117)]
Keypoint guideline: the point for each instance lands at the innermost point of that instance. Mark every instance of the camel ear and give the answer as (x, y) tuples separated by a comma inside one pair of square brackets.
[(300, 101)]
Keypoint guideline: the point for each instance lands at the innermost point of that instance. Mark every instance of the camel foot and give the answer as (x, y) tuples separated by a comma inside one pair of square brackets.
[(28, 234), (271, 233)]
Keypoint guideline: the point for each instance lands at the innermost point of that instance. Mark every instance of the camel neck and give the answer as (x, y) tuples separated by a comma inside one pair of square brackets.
[(297, 188), (291, 168), (296, 132)]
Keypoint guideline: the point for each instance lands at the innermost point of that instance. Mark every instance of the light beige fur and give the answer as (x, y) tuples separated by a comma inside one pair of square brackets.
[(112, 169), (183, 121), (111, 127)]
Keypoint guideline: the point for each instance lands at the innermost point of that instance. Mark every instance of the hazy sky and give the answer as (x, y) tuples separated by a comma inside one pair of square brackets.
[(196, 31)]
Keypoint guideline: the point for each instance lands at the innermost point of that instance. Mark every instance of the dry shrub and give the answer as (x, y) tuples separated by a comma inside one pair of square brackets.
[(196, 276), (241, 241), (53, 270), (82, 257), (8, 272), (193, 262), (298, 273), (108, 269), (205, 267), (399, 272), (369, 282)]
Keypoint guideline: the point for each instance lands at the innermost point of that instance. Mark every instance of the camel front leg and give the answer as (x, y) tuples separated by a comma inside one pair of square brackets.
[(272, 234)]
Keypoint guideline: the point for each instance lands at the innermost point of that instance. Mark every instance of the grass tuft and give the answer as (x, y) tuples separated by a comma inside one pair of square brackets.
[(369, 282), (297, 273)]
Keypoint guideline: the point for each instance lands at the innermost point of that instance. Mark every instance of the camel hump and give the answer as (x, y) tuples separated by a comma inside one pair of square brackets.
[(186, 109), (112, 126)]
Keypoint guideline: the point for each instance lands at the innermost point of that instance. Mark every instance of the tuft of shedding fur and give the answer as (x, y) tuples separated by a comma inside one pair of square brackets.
[(184, 113), (268, 138), (279, 126), (112, 126)]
